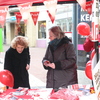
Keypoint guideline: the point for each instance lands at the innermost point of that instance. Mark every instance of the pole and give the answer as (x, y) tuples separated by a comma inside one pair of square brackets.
[(74, 32), (97, 50), (1, 40)]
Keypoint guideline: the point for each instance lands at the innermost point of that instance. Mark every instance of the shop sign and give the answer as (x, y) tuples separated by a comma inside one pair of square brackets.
[(13, 18), (85, 16)]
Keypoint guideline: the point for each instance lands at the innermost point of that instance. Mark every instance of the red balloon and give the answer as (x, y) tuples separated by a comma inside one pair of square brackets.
[(88, 70), (89, 62), (6, 78), (83, 29), (93, 53)]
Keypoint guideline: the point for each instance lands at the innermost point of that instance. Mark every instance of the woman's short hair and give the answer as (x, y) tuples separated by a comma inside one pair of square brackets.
[(19, 40), (57, 31)]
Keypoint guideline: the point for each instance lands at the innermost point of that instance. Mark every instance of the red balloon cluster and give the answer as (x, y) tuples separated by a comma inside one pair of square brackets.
[(83, 29), (88, 69), (6, 78)]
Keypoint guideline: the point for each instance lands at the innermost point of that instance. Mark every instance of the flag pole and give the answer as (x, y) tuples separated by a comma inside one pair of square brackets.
[(97, 50), (95, 27)]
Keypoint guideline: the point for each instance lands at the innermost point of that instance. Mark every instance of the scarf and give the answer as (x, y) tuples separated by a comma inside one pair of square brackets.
[(54, 43)]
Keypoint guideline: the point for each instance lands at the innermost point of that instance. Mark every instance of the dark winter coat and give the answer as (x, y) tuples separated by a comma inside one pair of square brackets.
[(16, 63), (64, 57)]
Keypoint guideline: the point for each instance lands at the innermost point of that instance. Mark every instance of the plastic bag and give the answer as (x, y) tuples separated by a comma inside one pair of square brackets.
[(66, 94)]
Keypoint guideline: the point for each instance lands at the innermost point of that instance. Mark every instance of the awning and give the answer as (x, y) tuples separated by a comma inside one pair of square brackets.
[(15, 2)]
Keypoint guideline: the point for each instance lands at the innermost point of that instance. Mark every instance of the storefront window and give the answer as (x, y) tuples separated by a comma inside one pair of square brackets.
[(65, 24), (41, 29), (20, 29)]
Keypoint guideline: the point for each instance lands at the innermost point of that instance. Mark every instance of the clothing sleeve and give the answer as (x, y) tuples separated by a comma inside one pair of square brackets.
[(28, 55), (70, 59), (46, 58), (88, 45), (7, 61)]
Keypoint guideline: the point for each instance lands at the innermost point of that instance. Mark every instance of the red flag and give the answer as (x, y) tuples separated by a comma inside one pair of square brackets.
[(82, 3), (51, 6), (89, 7), (3, 12), (51, 17), (24, 10), (95, 20), (18, 17), (34, 16)]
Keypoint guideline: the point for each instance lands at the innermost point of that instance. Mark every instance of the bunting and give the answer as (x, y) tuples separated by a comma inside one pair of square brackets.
[(34, 16), (3, 12), (82, 3), (51, 17), (24, 10), (89, 7), (18, 17), (51, 7)]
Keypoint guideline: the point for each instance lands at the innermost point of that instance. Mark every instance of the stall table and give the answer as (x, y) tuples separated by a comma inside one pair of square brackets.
[(30, 94), (43, 94)]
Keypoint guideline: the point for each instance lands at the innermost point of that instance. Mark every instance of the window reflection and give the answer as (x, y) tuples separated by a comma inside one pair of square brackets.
[(20, 29), (65, 24), (42, 29)]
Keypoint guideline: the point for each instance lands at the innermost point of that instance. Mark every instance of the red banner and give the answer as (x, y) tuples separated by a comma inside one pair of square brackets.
[(18, 17), (89, 7), (24, 10), (3, 12), (51, 17), (51, 6), (95, 20), (34, 16)]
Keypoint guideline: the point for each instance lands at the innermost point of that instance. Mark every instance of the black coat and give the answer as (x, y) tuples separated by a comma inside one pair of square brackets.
[(16, 63), (64, 57)]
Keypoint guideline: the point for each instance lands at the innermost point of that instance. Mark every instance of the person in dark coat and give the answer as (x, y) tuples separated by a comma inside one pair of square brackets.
[(60, 60), (17, 60)]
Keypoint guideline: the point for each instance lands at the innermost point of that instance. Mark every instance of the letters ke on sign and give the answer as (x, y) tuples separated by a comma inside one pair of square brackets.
[(85, 16)]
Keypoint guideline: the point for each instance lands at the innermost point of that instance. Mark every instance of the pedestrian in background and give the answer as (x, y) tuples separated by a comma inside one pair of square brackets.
[(60, 60), (17, 60)]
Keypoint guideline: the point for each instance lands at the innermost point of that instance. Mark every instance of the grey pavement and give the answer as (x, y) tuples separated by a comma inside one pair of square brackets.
[(37, 74)]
